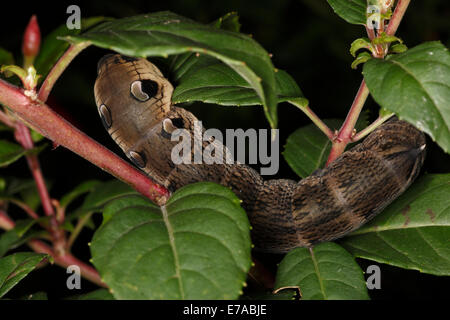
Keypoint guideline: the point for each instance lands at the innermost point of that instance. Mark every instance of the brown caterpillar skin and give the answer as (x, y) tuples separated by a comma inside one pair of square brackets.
[(134, 102)]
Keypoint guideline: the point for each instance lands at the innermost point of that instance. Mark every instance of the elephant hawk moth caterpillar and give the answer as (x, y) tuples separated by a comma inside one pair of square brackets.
[(134, 102)]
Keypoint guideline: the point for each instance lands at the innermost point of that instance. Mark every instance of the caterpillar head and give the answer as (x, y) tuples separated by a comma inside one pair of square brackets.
[(133, 98), (128, 86), (401, 145)]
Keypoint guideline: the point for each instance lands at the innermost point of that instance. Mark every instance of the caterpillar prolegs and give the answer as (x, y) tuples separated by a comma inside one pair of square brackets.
[(134, 102)]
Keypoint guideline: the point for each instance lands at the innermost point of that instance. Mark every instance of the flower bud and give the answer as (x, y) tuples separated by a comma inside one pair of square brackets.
[(31, 41)]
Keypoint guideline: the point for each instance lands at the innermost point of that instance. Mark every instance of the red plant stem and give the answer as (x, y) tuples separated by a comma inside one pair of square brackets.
[(24, 137), (6, 119), (347, 128), (346, 131), (397, 16), (25, 208), (66, 260), (57, 129), (370, 33)]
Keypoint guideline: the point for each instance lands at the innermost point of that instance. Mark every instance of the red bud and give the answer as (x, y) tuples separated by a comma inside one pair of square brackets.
[(31, 38)]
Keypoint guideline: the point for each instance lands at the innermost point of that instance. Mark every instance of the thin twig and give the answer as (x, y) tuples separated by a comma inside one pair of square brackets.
[(78, 227), (318, 122), (6, 119), (345, 133), (59, 68), (24, 137), (25, 208), (66, 260), (371, 127), (397, 16)]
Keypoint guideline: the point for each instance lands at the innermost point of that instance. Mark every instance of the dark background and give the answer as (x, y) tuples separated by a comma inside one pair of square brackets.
[(306, 39)]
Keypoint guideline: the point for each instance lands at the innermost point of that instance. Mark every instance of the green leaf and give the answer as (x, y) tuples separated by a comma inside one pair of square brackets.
[(307, 149), (6, 58), (27, 190), (195, 247), (416, 86), (15, 267), (84, 187), (104, 193), (100, 193), (7, 240), (53, 48), (352, 11), (361, 43), (166, 33), (18, 185), (220, 84), (363, 57), (10, 152), (184, 64), (230, 21), (18, 235), (398, 48), (413, 232), (385, 38), (36, 136), (327, 273)]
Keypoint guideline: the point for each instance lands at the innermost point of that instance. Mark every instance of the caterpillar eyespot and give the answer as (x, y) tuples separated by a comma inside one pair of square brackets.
[(139, 159), (284, 214), (144, 90), (105, 114)]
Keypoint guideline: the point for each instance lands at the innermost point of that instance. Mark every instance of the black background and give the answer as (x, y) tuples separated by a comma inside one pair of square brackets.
[(306, 39)]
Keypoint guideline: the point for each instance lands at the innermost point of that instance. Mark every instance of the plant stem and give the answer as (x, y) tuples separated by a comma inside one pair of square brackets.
[(78, 227), (59, 68), (24, 137), (370, 33), (370, 128), (346, 130), (25, 208), (318, 122), (6, 119), (57, 129), (397, 16), (66, 260), (345, 133)]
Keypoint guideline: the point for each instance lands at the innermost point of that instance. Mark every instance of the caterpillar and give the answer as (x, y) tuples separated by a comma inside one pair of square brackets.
[(134, 102)]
